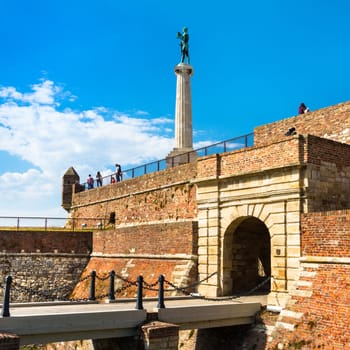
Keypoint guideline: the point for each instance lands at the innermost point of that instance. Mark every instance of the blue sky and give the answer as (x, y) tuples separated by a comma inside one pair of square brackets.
[(91, 83)]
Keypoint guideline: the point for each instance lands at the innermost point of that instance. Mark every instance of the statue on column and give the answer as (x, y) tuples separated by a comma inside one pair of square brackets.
[(184, 37)]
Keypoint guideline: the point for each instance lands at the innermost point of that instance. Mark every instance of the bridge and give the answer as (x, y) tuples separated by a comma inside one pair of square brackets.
[(77, 319), (63, 321)]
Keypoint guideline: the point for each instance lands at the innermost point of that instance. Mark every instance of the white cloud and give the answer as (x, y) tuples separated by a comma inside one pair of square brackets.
[(34, 129)]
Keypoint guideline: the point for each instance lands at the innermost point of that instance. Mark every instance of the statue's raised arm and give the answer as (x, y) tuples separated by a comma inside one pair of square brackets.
[(184, 37)]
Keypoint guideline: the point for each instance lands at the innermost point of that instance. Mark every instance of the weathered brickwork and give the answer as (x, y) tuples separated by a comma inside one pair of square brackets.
[(327, 178), (157, 239), (317, 315), (132, 202), (148, 250), (330, 123), (178, 271), (326, 234), (250, 160), (45, 242)]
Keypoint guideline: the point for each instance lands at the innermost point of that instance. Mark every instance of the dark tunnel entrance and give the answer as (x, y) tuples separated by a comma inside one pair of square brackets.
[(248, 259)]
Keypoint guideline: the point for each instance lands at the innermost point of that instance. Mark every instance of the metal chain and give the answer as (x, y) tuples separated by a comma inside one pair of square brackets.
[(44, 294), (149, 286), (102, 278), (66, 289), (235, 296), (183, 289)]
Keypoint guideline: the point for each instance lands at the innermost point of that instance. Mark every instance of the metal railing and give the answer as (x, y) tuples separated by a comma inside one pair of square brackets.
[(219, 147), (51, 223)]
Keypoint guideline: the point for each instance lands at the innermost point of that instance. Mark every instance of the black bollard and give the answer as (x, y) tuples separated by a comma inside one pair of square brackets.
[(139, 305), (111, 286), (92, 285), (6, 303), (161, 292)]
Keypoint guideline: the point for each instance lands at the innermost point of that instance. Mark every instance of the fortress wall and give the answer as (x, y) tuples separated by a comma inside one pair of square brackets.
[(251, 159), (326, 234), (45, 242), (43, 263), (317, 314), (157, 239), (164, 195), (331, 123), (169, 249), (327, 179)]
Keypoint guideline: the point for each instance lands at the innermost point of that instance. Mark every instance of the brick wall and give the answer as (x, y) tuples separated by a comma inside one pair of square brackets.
[(331, 123), (45, 241), (253, 159), (327, 184), (169, 249), (317, 315), (326, 234), (159, 239), (165, 195)]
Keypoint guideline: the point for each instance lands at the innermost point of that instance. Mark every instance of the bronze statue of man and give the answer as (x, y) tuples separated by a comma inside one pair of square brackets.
[(184, 36)]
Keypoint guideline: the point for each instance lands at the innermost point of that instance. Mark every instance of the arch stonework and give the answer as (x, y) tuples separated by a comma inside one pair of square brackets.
[(275, 198)]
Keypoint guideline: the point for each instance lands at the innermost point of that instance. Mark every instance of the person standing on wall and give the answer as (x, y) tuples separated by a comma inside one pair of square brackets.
[(118, 171), (90, 182), (98, 179), (303, 109)]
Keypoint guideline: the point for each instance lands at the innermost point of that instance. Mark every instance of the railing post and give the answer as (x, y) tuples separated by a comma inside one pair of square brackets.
[(17, 223), (246, 140), (139, 305), (111, 286), (45, 224), (161, 292), (92, 285), (6, 303)]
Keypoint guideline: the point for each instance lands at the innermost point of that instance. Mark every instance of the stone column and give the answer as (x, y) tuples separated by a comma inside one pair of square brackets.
[(9, 341), (183, 117), (160, 336)]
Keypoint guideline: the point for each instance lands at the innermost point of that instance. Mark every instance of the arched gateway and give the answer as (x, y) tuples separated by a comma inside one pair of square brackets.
[(246, 257), (248, 226)]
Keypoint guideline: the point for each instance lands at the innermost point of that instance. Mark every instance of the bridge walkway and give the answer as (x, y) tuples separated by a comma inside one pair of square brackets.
[(41, 323)]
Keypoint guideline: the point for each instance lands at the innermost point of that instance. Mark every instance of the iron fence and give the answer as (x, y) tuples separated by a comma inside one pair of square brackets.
[(51, 223), (183, 158)]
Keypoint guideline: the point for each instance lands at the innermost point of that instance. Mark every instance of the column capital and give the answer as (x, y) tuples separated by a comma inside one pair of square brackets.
[(184, 68)]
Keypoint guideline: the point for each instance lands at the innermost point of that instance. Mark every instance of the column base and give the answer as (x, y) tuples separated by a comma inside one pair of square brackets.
[(180, 156)]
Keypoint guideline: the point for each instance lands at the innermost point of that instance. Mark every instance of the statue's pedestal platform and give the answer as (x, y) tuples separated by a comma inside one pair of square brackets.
[(180, 156)]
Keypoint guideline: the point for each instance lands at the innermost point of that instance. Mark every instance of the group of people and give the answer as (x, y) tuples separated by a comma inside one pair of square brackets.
[(99, 179)]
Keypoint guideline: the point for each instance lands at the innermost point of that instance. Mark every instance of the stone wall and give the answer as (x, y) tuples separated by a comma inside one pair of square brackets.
[(330, 123), (43, 265), (317, 315)]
